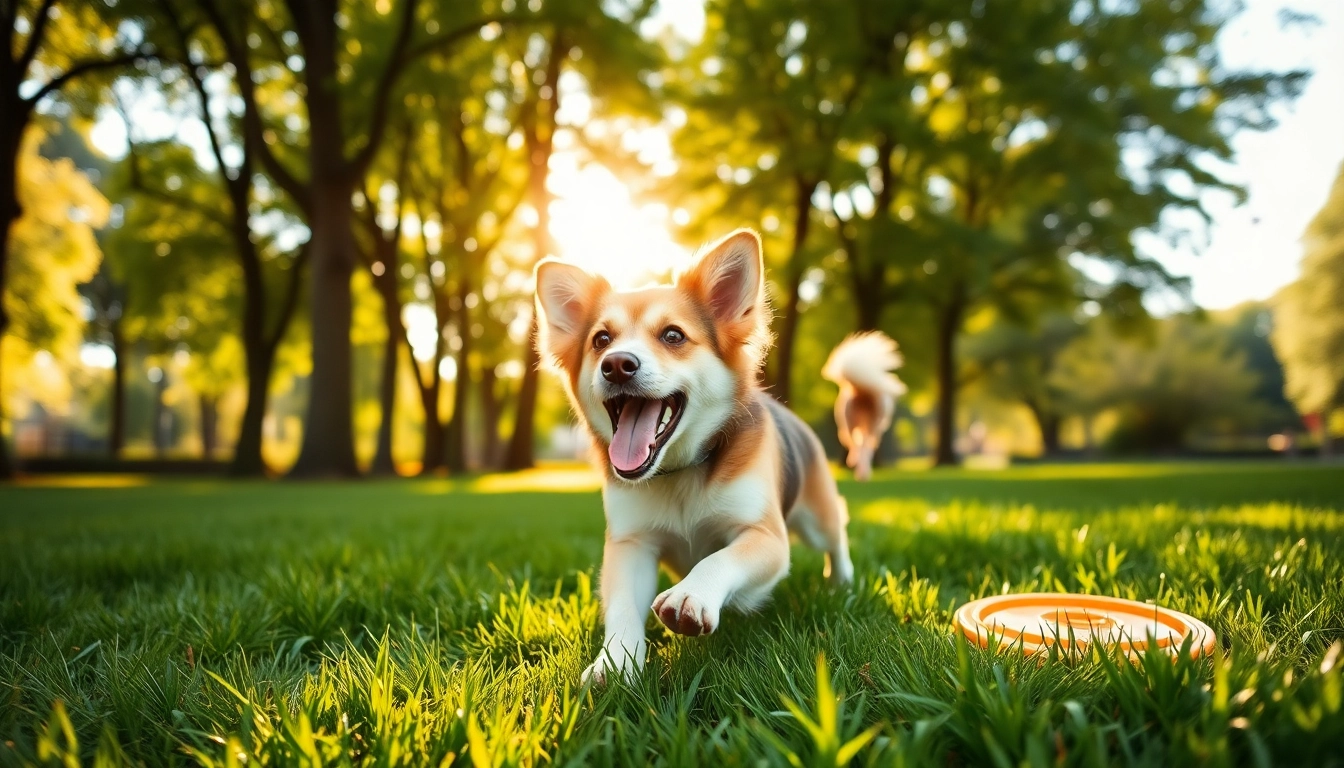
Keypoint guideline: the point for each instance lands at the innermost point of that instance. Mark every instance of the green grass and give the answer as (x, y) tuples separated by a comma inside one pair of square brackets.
[(420, 622)]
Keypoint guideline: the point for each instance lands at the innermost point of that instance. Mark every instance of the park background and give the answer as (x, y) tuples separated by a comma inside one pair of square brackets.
[(252, 241), (1088, 237)]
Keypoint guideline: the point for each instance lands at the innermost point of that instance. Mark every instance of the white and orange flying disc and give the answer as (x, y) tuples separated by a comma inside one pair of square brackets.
[(1038, 620)]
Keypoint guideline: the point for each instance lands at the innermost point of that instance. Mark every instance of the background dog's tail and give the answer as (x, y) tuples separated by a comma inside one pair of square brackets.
[(865, 361)]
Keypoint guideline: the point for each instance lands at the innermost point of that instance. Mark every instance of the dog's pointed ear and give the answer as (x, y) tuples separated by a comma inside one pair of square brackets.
[(730, 277), (562, 291), (565, 292), (566, 295)]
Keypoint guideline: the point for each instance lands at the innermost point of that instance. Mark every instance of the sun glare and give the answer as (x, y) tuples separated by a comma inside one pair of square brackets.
[(598, 225)]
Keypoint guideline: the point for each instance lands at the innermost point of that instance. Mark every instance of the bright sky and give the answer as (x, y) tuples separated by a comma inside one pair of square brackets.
[(1255, 249)]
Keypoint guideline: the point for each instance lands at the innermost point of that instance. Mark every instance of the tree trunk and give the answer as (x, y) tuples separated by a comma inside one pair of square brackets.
[(116, 430), (11, 132), (489, 419), (328, 448), (387, 390), (522, 446), (162, 417), (1049, 426), (383, 464), (1050, 435), (431, 457), (788, 327), (209, 426), (540, 141), (949, 324), (247, 457), (328, 437), (456, 438), (869, 311)]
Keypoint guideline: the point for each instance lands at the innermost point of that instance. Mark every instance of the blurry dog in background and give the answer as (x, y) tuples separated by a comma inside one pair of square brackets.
[(702, 470), (862, 366)]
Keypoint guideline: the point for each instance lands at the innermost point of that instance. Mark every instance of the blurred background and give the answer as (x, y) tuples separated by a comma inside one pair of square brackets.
[(297, 236)]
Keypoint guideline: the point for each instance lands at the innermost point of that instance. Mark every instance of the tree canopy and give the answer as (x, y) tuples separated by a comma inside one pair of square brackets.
[(1309, 316), (373, 181)]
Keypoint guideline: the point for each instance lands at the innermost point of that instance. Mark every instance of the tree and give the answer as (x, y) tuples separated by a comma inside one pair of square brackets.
[(460, 188), (1250, 327), (1189, 378), (46, 49), (270, 279), (1048, 123), (1309, 318), (52, 249), (175, 261), (347, 104), (1020, 363), (783, 76), (472, 199), (382, 256), (107, 299)]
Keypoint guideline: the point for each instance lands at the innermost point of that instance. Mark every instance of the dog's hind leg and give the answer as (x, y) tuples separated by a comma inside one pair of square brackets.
[(823, 521)]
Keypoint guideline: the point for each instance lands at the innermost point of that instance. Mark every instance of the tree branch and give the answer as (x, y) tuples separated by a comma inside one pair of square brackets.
[(396, 63), (201, 93), (38, 32), (506, 213), (403, 54), (84, 68), (178, 201), (253, 129), (453, 35), (369, 217)]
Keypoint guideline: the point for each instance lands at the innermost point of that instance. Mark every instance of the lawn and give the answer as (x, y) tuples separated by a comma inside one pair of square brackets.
[(427, 622)]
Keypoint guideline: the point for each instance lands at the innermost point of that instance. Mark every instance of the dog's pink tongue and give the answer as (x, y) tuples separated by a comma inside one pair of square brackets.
[(635, 434)]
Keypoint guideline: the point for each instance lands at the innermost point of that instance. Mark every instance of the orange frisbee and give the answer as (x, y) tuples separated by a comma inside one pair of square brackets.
[(1038, 620)]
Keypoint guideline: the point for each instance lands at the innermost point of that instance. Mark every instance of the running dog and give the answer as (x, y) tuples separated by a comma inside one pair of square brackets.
[(702, 470), (862, 366)]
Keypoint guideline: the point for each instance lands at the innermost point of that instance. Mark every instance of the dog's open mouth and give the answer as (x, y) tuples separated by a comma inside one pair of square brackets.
[(642, 427)]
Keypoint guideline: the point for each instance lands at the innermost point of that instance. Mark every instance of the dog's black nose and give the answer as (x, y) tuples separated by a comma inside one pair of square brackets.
[(619, 367)]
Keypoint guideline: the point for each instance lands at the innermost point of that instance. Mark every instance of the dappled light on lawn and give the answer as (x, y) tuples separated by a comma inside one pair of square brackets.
[(549, 477), (83, 481)]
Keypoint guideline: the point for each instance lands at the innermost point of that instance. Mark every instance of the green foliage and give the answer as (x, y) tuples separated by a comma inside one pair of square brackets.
[(962, 157), (1250, 329), (1309, 314), (53, 249), (1020, 364), (214, 623), (1188, 378)]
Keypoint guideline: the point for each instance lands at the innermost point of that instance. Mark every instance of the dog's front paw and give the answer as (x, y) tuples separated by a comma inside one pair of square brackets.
[(618, 663), (596, 673), (685, 613)]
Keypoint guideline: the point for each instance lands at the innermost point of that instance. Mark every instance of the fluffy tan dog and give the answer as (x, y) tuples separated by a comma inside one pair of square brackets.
[(702, 470)]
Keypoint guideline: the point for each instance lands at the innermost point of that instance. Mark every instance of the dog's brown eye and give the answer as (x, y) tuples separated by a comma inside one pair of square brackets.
[(602, 340), (673, 335)]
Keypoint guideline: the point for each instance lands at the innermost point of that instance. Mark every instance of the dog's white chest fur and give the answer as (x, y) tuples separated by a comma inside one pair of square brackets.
[(682, 510)]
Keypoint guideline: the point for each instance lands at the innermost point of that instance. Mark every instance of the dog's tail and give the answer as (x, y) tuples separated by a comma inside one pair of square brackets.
[(865, 361)]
